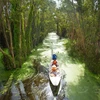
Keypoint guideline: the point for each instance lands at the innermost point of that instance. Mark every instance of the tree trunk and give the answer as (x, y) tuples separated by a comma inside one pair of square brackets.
[(5, 36), (10, 35)]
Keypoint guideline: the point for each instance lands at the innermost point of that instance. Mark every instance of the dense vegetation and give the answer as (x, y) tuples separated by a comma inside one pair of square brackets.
[(25, 23), (82, 24)]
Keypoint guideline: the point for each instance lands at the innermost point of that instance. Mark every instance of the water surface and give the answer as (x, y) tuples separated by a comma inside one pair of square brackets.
[(81, 84)]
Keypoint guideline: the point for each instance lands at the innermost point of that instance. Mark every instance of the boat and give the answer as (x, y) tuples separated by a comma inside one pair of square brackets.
[(55, 79)]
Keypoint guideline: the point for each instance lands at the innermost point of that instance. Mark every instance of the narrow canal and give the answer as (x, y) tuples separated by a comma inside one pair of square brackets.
[(81, 84)]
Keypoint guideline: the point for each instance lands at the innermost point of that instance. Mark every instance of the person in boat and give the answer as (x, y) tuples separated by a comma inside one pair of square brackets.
[(54, 65), (54, 60), (54, 70)]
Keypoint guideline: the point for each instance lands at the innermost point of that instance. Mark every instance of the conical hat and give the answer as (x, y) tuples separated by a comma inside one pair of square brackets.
[(54, 68)]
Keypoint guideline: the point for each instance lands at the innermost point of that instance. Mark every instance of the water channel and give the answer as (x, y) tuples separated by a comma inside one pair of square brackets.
[(81, 84)]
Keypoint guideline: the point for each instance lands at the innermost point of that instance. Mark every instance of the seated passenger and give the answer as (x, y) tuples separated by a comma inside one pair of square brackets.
[(54, 60), (53, 70)]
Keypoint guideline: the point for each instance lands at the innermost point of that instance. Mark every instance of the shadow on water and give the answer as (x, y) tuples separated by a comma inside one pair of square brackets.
[(82, 85), (15, 94), (85, 89)]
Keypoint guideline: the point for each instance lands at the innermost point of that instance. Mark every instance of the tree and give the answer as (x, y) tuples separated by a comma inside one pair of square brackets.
[(24, 24), (85, 30)]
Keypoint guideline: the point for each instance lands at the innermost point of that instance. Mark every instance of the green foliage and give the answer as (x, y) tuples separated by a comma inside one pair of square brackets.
[(29, 23), (22, 73), (82, 28), (4, 74), (7, 61)]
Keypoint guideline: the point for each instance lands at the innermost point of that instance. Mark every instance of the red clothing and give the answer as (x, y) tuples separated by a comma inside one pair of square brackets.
[(54, 62)]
